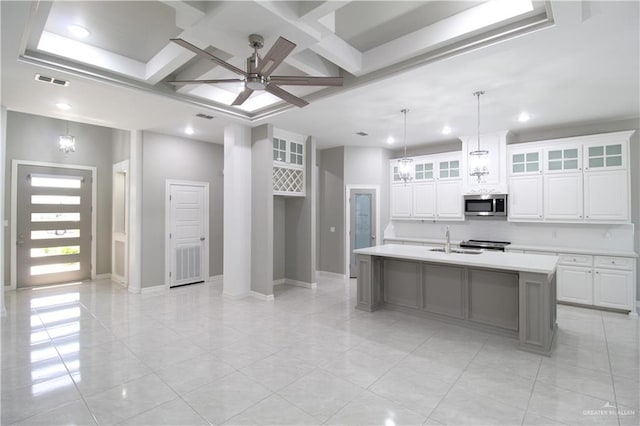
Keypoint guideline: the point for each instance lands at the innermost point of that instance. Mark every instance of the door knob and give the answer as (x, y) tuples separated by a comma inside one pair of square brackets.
[(373, 237), (201, 238)]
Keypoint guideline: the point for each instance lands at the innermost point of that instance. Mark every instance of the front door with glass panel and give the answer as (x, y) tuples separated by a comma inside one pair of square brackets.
[(362, 222), (53, 225)]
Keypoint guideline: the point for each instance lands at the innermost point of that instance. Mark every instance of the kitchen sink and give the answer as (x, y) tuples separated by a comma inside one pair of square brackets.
[(458, 251)]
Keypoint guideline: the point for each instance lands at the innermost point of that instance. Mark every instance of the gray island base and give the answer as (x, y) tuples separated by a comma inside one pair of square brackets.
[(513, 294)]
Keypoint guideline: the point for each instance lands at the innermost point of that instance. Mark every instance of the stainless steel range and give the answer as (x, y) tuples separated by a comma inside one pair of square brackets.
[(485, 245)]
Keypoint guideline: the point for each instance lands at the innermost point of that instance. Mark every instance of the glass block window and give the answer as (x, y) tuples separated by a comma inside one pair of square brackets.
[(605, 156), (563, 159), (449, 169), (525, 163), (423, 171), (296, 154), (279, 150)]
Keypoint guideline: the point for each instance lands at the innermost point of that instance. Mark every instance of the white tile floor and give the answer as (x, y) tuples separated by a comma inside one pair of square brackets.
[(96, 354)]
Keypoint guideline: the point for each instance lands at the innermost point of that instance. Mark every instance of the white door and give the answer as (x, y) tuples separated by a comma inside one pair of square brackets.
[(120, 223), (424, 199), (525, 197), (563, 196), (612, 289), (53, 225), (362, 224), (605, 196), (188, 219), (575, 285), (449, 200), (401, 200)]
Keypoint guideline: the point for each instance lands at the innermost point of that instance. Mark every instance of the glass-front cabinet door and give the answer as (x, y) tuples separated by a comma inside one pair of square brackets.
[(605, 156), (449, 169), (563, 159), (423, 171), (524, 162)]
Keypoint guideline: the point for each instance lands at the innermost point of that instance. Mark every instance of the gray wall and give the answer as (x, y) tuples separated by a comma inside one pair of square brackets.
[(121, 142), (262, 209), (434, 148), (35, 138), (279, 230), (170, 157), (300, 234), (331, 210)]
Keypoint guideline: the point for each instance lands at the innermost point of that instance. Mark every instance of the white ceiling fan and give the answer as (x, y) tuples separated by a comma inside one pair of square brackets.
[(258, 75)]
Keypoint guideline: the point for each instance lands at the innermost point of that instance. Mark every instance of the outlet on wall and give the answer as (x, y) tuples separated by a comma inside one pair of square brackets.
[(332, 229)]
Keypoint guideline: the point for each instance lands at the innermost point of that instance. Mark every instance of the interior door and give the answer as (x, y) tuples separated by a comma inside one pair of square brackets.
[(53, 225), (362, 223), (188, 216)]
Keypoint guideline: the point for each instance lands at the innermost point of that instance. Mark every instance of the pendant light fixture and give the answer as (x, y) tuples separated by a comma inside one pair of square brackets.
[(66, 142), (404, 164), (478, 159)]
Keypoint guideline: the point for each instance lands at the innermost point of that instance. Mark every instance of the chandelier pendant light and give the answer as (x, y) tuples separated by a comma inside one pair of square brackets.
[(479, 159), (66, 142), (404, 164)]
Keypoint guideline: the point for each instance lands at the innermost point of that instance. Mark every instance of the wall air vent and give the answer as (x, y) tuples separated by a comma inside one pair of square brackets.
[(362, 133), (205, 116), (51, 80)]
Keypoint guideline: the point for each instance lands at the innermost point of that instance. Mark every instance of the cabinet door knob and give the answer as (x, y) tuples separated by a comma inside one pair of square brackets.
[(590, 272)]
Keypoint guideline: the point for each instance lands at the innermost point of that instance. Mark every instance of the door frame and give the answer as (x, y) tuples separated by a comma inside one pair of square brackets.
[(167, 228), (347, 221), (14, 212), (120, 168)]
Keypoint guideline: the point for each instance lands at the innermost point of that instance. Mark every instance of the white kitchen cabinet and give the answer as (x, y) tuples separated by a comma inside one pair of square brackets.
[(401, 200), (424, 199), (563, 197), (575, 284), (525, 161), (607, 154), (449, 202), (613, 288), (606, 196), (526, 198), (563, 158)]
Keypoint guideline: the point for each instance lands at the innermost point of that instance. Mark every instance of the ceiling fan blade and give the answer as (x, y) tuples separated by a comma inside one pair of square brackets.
[(306, 81), (224, 80), (243, 96), (275, 56), (195, 49), (284, 95)]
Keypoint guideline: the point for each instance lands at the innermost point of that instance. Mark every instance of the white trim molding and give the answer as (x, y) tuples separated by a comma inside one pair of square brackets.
[(280, 281), (153, 289), (260, 296), (332, 275), (103, 277), (304, 284), (214, 278)]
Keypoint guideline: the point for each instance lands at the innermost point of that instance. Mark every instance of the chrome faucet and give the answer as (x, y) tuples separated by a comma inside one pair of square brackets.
[(447, 241)]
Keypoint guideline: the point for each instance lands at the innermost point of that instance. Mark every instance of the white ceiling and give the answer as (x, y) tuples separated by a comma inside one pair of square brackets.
[(581, 65)]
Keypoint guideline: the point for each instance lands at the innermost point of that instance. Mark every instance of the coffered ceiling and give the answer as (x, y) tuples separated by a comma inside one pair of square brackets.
[(428, 56)]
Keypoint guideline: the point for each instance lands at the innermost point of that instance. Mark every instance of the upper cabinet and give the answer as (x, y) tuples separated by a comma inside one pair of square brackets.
[(578, 179), (496, 181), (288, 164), (434, 191)]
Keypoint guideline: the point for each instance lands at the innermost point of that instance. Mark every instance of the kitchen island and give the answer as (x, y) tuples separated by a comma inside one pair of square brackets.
[(510, 293)]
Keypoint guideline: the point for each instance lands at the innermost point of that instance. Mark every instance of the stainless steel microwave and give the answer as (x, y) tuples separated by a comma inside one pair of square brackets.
[(485, 205)]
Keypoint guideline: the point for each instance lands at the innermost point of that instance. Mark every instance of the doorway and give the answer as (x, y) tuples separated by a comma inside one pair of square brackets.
[(187, 212), (363, 223), (54, 224)]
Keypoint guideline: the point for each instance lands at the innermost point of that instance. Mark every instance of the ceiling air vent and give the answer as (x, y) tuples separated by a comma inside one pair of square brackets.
[(205, 116), (362, 133), (51, 80)]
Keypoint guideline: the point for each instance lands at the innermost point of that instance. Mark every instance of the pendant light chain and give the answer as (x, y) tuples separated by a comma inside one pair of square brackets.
[(405, 164), (479, 158)]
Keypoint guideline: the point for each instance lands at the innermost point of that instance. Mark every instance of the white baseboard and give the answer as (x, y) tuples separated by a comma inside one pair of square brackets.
[(260, 296), (103, 276), (328, 274), (280, 281), (236, 296), (301, 283), (153, 289)]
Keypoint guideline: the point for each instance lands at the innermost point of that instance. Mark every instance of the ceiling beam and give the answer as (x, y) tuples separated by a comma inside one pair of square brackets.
[(340, 53), (187, 13)]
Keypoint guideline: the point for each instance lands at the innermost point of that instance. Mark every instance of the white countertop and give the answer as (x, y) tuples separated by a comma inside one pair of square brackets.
[(519, 262)]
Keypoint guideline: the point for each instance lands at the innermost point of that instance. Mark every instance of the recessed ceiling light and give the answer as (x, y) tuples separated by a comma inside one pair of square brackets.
[(391, 140), (446, 130), (524, 117), (189, 131), (63, 106), (78, 31)]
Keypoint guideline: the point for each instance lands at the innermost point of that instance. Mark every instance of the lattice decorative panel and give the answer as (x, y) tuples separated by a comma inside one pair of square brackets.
[(287, 181)]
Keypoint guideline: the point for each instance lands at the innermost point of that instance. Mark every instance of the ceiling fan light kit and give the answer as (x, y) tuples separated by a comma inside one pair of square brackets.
[(258, 73)]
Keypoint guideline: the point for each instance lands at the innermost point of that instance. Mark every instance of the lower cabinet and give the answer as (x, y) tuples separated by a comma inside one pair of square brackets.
[(612, 289), (575, 284)]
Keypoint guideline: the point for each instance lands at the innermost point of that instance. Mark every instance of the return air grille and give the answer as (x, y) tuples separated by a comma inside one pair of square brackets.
[(51, 80)]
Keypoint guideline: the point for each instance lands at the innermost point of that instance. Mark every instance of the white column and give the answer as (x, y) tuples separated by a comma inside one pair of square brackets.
[(135, 211), (3, 146), (237, 211)]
